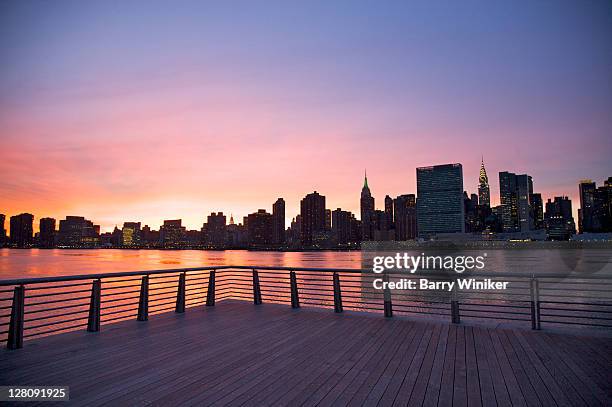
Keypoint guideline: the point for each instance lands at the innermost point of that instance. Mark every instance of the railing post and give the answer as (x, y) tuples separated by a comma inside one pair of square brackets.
[(15, 334), (180, 295), (455, 305), (387, 298), (535, 304), (143, 302), (210, 294), (295, 299), (93, 322), (256, 288), (337, 294)]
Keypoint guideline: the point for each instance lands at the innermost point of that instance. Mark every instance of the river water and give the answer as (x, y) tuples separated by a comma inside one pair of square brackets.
[(576, 301), (22, 263)]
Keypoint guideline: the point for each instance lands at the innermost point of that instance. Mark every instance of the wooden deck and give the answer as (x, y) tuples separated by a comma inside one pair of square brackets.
[(239, 354)]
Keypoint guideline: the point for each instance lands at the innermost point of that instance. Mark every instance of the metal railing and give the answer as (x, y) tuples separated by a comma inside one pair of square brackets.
[(44, 306)]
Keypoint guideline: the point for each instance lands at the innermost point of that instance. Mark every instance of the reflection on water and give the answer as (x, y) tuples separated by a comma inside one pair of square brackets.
[(16, 263)]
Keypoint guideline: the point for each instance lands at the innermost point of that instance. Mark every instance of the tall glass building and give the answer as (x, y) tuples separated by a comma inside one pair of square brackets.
[(440, 206)]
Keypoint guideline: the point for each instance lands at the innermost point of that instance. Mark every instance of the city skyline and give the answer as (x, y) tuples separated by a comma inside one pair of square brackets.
[(104, 114), (495, 200)]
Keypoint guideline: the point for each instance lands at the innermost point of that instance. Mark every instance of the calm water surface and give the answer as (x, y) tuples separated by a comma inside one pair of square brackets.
[(17, 263)]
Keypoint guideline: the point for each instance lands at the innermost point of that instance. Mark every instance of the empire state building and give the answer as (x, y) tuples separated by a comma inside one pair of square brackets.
[(367, 211), (484, 195)]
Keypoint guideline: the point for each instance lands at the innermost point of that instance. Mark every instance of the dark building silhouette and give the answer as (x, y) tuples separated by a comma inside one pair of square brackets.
[(341, 226), (602, 208), (148, 237), (558, 218), (116, 239), (131, 234), (515, 192), (328, 219), (260, 226), (172, 233), (237, 235), (21, 230), (484, 193), (405, 217), (77, 232), (294, 234), (47, 233), (312, 211), (367, 212), (440, 206), (524, 185), (214, 231), (2, 230), (595, 213), (470, 207), (278, 216), (389, 220), (586, 189), (537, 205)]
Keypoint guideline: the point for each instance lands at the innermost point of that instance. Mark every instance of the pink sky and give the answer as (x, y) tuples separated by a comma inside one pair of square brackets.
[(106, 115)]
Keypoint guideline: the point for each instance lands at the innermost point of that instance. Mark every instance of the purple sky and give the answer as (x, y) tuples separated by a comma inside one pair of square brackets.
[(123, 111)]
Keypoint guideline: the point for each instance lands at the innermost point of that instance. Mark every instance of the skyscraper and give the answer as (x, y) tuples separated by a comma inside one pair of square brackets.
[(341, 226), (47, 233), (131, 234), (172, 233), (484, 194), (76, 232), (440, 206), (508, 197), (515, 192), (524, 186), (389, 221), (595, 213), (260, 229), (405, 217), (278, 217), (214, 231), (559, 220), (537, 206), (586, 189), (21, 230), (367, 212), (312, 210)]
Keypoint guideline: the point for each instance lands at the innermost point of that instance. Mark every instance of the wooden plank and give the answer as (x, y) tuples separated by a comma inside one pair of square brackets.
[(472, 374), (386, 377), (272, 381), (485, 372), (460, 384), (361, 387), (239, 354), (336, 394), (512, 386), (567, 373), (395, 381), (594, 366), (418, 393), (434, 382), (448, 375), (328, 373), (404, 392), (562, 396), (530, 395), (294, 381)]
